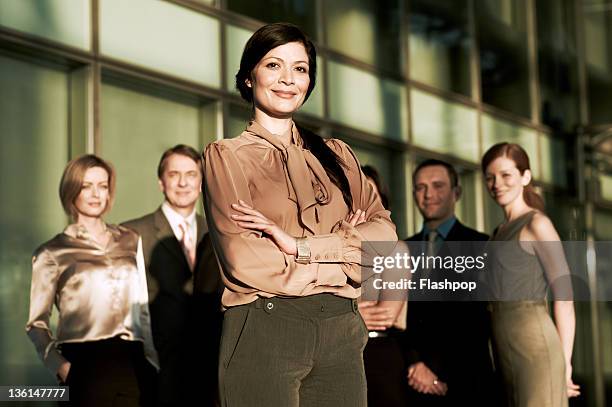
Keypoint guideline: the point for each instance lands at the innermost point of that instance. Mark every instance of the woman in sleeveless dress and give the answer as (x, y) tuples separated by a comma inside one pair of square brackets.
[(532, 354)]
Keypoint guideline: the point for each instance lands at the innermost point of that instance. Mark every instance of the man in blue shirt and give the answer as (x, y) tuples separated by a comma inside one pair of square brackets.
[(446, 342)]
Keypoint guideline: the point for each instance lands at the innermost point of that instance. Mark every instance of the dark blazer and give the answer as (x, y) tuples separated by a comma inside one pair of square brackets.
[(452, 339), (185, 310)]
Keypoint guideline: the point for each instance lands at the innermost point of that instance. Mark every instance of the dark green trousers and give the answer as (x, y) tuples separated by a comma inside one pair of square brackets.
[(293, 352)]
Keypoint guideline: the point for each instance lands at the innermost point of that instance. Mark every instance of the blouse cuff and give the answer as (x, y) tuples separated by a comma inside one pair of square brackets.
[(341, 246)]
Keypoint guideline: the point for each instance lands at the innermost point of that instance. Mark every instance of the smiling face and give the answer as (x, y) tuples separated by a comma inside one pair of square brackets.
[(434, 195), (181, 183), (505, 182), (280, 80), (94, 197)]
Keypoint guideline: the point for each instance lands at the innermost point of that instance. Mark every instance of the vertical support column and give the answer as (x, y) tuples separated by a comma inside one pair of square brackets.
[(81, 111), (476, 86), (96, 79)]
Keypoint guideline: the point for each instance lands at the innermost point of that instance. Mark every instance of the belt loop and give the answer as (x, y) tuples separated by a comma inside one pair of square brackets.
[(259, 303), (354, 306)]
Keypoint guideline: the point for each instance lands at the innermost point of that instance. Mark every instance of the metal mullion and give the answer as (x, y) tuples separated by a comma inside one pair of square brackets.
[(532, 61), (95, 139), (405, 49), (476, 96)]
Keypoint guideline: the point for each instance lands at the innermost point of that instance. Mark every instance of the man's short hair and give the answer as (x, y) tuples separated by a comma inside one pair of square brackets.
[(180, 149), (432, 162)]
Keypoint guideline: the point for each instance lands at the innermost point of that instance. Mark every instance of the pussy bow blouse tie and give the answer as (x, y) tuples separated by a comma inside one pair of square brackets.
[(311, 185)]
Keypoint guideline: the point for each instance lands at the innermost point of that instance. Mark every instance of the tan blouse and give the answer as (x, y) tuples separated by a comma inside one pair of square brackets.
[(289, 186), (100, 292)]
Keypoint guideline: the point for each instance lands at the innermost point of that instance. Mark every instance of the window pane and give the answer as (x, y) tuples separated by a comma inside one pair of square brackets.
[(367, 30), (497, 131), (391, 166), (301, 13), (238, 119), (138, 125), (466, 205), (557, 63), (443, 126), (554, 162), (65, 21), (605, 187), (34, 147), (131, 31), (235, 39), (598, 44), (376, 105), (502, 38), (440, 44)]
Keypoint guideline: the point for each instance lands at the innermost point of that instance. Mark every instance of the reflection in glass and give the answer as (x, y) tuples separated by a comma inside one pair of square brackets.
[(34, 145), (440, 44), (185, 51), (238, 118), (301, 13), (138, 125), (442, 126), (598, 44), (554, 164), (376, 105), (497, 131), (557, 63), (391, 167), (367, 30), (501, 27), (64, 21)]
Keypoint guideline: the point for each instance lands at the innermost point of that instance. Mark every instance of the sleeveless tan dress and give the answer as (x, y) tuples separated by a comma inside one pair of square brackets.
[(526, 344)]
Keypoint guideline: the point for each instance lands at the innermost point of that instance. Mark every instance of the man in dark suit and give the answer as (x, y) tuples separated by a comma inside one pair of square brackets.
[(446, 343), (184, 284)]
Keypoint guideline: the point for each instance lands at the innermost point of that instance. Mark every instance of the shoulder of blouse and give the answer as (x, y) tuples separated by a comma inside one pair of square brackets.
[(344, 151), (56, 242)]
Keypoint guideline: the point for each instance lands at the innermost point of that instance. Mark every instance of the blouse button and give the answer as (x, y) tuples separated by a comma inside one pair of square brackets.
[(317, 257)]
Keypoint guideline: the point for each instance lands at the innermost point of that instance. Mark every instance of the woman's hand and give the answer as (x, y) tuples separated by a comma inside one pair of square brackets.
[(356, 218), (250, 218), (63, 370), (376, 317), (573, 390)]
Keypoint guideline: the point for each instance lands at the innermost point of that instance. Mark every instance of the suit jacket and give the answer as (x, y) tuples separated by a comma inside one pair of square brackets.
[(452, 339), (185, 310)]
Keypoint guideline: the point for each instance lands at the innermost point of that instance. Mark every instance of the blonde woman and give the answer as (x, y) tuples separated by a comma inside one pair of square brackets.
[(94, 274)]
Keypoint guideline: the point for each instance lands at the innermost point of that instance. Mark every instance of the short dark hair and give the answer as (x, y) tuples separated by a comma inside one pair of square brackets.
[(72, 182), (261, 42), (180, 149), (432, 162)]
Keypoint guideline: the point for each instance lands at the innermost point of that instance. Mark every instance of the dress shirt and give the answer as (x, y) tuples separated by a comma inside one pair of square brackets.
[(443, 229), (100, 292), (287, 184), (175, 220)]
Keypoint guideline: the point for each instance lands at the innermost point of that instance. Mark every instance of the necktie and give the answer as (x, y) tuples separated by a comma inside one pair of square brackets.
[(430, 250), (188, 244)]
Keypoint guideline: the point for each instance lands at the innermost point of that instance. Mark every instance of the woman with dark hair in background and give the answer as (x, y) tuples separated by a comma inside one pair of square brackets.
[(385, 318), (288, 214), (94, 273), (533, 357)]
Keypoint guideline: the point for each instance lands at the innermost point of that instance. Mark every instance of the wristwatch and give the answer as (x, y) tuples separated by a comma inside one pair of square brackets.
[(303, 250)]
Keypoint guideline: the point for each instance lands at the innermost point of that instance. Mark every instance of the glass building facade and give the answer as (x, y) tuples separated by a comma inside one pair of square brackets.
[(400, 81)]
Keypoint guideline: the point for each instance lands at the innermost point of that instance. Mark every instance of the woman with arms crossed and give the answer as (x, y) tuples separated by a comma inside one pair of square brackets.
[(288, 213), (534, 358), (94, 273)]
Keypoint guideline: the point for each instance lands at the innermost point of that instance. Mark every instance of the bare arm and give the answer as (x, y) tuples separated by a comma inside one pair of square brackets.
[(547, 246)]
